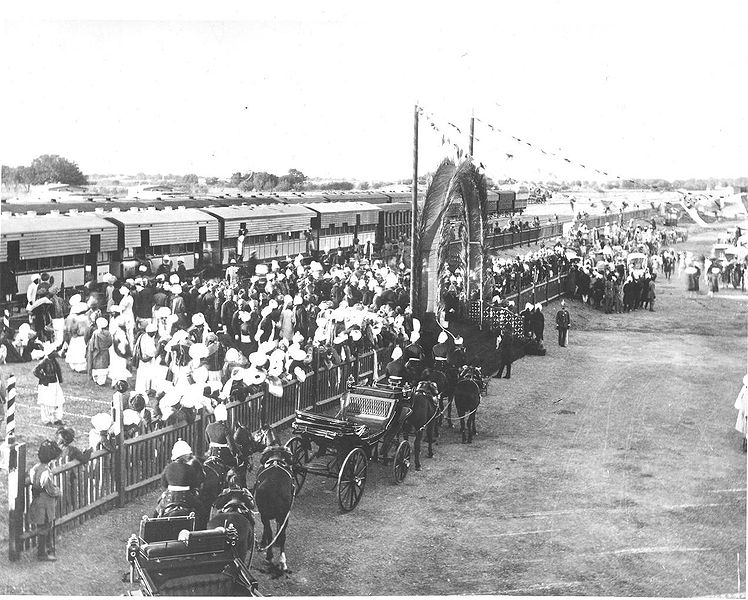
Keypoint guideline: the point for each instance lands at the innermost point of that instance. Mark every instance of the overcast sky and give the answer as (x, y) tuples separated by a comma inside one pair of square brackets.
[(639, 89)]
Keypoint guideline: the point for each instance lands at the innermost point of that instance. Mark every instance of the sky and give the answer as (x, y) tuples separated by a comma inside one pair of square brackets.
[(636, 89)]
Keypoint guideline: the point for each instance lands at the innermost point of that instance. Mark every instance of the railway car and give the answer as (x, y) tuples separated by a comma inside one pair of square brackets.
[(269, 231), (394, 222), (147, 235), (337, 224), (73, 247)]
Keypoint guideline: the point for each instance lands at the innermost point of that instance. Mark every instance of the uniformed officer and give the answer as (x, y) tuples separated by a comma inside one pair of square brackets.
[(441, 351), (221, 441), (395, 369), (181, 479)]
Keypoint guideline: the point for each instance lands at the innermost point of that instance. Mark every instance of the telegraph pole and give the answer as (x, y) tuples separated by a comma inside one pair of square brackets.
[(472, 133), (413, 216)]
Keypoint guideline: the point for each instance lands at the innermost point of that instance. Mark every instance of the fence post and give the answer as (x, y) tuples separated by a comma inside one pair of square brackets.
[(16, 492), (120, 466)]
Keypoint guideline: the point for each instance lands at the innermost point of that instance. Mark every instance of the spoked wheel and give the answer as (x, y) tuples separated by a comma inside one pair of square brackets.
[(300, 452), (401, 463), (352, 479)]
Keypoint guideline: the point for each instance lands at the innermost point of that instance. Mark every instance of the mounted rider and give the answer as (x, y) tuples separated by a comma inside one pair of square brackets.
[(414, 356), (181, 480), (395, 369), (221, 440), (442, 350), (458, 356)]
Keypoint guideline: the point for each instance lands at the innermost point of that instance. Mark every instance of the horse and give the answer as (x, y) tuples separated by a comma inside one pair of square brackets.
[(234, 507), (445, 378), (467, 398), (274, 495), (423, 412)]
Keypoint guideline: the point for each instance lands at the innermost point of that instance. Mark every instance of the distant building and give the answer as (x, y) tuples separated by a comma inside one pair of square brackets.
[(149, 192)]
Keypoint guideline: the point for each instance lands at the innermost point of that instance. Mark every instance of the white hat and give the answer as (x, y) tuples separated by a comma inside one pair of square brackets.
[(459, 340), (414, 337), (75, 299), (181, 448), (258, 359), (130, 417), (397, 352), (266, 311), (198, 351), (170, 399), (272, 305), (298, 300), (416, 325), (102, 421), (538, 306), (176, 289), (151, 328), (124, 290), (173, 278), (166, 258), (443, 337), (80, 308), (528, 306), (244, 316), (233, 355), (202, 290), (340, 338), (300, 374), (355, 334), (254, 376), (162, 312), (297, 353), (275, 386), (172, 319), (198, 319), (101, 322), (298, 337), (220, 413), (35, 276)]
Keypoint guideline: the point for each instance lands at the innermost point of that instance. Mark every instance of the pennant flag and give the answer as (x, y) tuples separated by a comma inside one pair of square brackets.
[(508, 156), (567, 160)]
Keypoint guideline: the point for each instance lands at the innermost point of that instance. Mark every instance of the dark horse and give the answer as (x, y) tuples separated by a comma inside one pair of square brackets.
[(234, 507), (423, 405), (468, 391), (274, 493)]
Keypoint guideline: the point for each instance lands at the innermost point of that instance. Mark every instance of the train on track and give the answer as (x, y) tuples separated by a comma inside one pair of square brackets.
[(81, 240)]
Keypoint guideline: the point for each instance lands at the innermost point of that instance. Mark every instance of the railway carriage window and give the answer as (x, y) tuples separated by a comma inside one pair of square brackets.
[(295, 235), (44, 263), (32, 264), (67, 261), (202, 233), (358, 219), (344, 227), (56, 262)]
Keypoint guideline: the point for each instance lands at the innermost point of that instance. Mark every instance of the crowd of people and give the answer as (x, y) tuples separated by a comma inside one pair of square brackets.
[(170, 345)]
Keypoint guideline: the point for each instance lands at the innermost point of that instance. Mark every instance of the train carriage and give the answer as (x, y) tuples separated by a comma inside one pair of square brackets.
[(185, 234), (272, 230), (336, 224), (394, 222), (72, 247)]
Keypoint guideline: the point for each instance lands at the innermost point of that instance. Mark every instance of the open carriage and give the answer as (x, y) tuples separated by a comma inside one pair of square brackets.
[(170, 558), (341, 447)]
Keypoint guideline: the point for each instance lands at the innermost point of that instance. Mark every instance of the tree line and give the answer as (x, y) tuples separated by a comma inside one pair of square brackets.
[(47, 168)]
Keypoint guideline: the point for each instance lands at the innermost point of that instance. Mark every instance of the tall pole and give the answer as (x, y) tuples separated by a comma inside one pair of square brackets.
[(472, 134), (414, 217)]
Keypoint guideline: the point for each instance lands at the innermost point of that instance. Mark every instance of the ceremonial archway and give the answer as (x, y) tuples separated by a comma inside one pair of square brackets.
[(453, 214)]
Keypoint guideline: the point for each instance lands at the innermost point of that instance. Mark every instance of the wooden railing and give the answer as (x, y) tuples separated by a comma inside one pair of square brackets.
[(112, 479)]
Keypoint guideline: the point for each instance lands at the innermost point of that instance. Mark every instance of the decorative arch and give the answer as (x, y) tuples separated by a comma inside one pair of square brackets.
[(456, 194)]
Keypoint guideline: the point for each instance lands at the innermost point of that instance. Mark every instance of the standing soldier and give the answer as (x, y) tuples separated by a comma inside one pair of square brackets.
[(504, 344), (44, 493), (563, 322)]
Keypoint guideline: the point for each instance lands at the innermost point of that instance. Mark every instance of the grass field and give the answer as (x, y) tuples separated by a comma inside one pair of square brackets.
[(610, 467)]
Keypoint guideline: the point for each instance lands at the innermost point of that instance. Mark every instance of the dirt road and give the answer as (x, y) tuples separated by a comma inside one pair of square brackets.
[(610, 467)]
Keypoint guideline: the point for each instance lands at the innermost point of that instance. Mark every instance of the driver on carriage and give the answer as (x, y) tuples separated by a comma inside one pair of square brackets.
[(181, 480), (221, 441)]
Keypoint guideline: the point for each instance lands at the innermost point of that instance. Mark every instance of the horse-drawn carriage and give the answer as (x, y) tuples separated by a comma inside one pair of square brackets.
[(341, 447), (170, 558)]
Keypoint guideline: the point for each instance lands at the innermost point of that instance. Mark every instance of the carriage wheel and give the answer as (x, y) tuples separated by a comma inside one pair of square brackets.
[(300, 453), (352, 479), (401, 464)]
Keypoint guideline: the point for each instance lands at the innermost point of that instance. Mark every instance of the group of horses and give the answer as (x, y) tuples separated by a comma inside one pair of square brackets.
[(461, 386), (224, 498)]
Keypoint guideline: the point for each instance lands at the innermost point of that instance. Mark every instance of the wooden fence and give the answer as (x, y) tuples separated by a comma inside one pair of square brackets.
[(112, 479)]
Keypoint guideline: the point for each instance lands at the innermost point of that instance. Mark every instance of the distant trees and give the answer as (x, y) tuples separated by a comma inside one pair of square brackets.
[(47, 168)]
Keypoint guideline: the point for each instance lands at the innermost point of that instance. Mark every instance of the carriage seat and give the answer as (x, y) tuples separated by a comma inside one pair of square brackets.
[(372, 411), (162, 529)]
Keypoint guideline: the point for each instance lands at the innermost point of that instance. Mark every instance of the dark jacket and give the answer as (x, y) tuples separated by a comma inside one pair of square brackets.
[(48, 371)]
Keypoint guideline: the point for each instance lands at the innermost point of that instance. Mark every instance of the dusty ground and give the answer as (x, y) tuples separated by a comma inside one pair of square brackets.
[(610, 467)]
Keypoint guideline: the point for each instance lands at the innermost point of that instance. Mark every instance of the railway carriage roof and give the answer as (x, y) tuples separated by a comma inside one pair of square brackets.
[(344, 207), (244, 211), (13, 224), (166, 215)]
